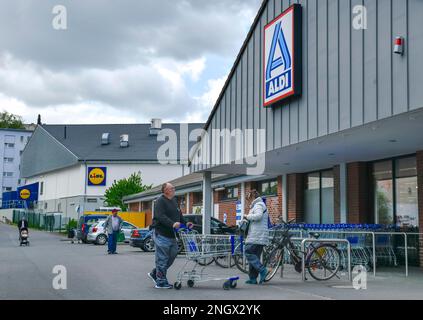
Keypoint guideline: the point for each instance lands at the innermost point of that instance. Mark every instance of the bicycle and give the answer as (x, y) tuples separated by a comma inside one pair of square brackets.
[(322, 261)]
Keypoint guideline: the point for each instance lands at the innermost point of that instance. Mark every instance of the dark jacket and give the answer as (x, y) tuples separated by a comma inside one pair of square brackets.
[(23, 224), (166, 214)]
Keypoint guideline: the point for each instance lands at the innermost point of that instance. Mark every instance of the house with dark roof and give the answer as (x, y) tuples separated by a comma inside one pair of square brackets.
[(73, 165)]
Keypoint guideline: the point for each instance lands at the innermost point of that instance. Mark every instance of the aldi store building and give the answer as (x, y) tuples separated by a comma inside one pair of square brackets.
[(328, 96)]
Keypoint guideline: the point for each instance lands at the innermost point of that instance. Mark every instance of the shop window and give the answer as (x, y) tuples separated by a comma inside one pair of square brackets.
[(197, 198), (230, 193), (319, 198), (268, 188), (181, 202), (396, 198)]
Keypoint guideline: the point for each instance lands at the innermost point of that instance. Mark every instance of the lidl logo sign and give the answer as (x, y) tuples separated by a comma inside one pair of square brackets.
[(25, 194), (97, 176), (282, 56)]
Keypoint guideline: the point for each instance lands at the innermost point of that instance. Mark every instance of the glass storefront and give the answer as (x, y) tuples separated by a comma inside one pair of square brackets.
[(396, 200), (319, 198)]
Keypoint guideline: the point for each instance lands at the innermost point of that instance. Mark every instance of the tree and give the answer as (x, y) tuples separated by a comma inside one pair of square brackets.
[(10, 121), (122, 188)]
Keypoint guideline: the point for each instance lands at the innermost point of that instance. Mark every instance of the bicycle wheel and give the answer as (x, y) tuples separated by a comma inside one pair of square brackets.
[(241, 262), (323, 262), (272, 262), (223, 262), (205, 261)]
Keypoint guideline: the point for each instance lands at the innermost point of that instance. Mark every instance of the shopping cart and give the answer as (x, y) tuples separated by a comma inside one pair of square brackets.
[(200, 248)]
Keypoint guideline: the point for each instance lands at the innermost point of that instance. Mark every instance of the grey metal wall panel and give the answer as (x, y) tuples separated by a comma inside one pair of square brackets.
[(250, 88), (322, 68), (350, 77), (384, 63), (312, 68), (345, 63), (238, 117), (303, 103), (333, 65), (399, 28), (370, 63), (269, 123), (415, 53), (357, 73), (294, 105), (244, 63), (233, 104), (257, 77)]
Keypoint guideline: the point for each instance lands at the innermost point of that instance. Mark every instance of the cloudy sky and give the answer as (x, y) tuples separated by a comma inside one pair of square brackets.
[(120, 61)]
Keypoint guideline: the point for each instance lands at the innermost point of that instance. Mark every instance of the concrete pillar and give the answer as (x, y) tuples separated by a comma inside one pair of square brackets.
[(285, 197), (188, 205), (243, 199), (207, 202), (343, 191)]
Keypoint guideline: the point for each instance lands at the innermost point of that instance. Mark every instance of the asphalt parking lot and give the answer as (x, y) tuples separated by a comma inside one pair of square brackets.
[(27, 273)]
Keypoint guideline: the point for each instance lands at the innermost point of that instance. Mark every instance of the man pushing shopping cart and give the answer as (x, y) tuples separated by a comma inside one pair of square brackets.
[(167, 218)]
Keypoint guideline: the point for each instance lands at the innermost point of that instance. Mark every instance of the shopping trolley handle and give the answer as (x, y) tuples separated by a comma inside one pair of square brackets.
[(184, 227)]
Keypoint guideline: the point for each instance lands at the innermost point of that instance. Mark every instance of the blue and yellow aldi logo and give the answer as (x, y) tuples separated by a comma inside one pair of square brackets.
[(97, 176), (282, 56)]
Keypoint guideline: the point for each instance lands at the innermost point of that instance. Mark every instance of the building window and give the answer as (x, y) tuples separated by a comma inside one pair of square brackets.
[(7, 174), (22, 138), (197, 198), (8, 160), (7, 189), (9, 145), (319, 198), (91, 200), (230, 193), (268, 188), (181, 202), (395, 196), (41, 188), (45, 205)]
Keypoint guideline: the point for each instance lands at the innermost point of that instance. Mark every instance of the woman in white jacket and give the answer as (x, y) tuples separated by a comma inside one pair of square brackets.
[(258, 237)]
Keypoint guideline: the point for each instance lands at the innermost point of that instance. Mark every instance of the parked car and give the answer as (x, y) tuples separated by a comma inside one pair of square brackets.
[(141, 238), (217, 226), (98, 236), (84, 224)]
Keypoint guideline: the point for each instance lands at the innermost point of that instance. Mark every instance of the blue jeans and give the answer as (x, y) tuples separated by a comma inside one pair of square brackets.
[(253, 253), (112, 241), (166, 253)]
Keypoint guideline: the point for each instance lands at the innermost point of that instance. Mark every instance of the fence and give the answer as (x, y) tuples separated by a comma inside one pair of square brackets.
[(48, 222)]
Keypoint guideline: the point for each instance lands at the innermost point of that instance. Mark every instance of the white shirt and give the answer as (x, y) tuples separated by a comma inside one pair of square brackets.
[(115, 223)]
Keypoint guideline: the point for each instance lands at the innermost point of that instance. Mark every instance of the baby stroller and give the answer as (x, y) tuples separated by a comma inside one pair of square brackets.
[(23, 237)]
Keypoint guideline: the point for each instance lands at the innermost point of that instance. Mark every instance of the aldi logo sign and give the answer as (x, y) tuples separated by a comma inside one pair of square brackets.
[(282, 56)]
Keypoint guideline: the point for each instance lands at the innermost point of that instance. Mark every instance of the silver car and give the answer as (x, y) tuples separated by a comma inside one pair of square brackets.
[(97, 235)]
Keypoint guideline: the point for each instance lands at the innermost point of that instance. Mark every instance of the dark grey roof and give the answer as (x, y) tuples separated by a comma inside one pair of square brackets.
[(84, 141)]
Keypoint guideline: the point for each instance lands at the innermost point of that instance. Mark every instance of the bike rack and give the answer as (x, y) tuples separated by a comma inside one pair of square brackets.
[(303, 243), (374, 235)]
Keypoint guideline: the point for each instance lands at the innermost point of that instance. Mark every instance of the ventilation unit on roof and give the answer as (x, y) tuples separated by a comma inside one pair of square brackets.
[(156, 127), (124, 141), (105, 139)]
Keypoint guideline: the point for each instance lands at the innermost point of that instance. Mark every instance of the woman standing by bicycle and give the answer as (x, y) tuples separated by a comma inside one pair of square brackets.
[(258, 237)]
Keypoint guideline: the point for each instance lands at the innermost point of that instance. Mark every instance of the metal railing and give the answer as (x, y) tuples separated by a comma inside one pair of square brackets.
[(374, 246)]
